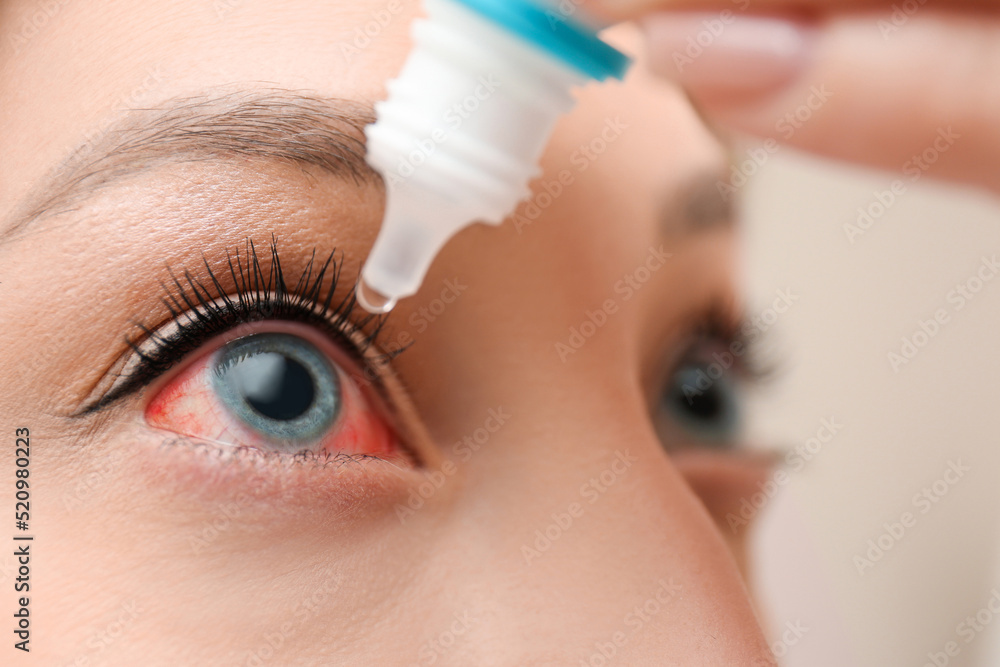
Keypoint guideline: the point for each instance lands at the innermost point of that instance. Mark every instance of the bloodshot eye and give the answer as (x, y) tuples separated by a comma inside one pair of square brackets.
[(275, 392)]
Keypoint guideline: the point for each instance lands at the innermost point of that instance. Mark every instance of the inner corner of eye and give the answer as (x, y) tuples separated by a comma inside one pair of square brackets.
[(272, 391)]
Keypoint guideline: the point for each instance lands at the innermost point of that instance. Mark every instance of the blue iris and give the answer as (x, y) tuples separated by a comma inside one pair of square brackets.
[(705, 401), (279, 385)]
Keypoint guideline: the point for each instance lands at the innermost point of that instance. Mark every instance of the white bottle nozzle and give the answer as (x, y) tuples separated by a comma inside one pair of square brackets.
[(466, 121), (415, 228), (372, 300)]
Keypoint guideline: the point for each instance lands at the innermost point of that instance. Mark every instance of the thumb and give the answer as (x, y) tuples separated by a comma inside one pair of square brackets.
[(914, 93)]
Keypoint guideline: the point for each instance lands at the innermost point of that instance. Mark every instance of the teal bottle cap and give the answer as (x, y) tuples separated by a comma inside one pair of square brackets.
[(572, 42)]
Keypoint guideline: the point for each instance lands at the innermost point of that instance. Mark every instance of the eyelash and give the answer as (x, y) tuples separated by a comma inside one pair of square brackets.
[(717, 325), (200, 310)]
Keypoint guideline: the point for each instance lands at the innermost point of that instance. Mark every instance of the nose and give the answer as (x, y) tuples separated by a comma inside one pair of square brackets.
[(573, 540)]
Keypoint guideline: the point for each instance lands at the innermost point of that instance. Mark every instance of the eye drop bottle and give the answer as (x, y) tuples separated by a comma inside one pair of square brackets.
[(459, 137)]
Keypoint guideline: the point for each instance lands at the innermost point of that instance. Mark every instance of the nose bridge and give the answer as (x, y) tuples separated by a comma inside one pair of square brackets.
[(582, 543)]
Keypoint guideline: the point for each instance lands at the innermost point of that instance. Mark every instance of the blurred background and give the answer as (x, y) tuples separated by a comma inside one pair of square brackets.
[(882, 549)]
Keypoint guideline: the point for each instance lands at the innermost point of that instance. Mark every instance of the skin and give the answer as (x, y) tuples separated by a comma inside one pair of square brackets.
[(116, 576)]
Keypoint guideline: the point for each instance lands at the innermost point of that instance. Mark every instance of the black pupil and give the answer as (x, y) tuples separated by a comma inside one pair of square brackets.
[(275, 386), (705, 405)]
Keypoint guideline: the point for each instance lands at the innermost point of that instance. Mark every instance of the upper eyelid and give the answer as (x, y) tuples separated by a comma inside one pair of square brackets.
[(144, 366), (722, 321), (254, 298), (732, 333)]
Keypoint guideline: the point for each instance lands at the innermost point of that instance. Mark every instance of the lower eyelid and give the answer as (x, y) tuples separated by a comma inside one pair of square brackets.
[(181, 477)]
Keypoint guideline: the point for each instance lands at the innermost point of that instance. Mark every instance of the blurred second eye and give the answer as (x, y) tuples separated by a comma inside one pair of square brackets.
[(275, 392), (704, 403)]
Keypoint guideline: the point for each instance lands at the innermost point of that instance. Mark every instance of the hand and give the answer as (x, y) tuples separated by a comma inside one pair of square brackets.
[(906, 85)]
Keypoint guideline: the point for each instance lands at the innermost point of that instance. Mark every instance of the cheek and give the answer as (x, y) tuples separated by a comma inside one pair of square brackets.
[(189, 405)]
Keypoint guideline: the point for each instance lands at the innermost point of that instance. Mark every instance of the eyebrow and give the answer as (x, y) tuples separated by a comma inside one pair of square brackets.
[(274, 124), (706, 203), (704, 206)]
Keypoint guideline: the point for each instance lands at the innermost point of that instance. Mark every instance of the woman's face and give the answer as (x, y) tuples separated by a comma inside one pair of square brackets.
[(526, 465)]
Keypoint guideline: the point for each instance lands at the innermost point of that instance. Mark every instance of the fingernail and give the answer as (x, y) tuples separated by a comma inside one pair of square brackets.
[(728, 55)]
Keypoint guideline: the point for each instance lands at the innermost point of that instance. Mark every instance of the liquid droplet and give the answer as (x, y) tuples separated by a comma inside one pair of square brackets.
[(372, 300)]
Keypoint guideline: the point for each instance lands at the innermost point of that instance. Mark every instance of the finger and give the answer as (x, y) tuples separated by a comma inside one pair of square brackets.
[(611, 11), (920, 95)]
